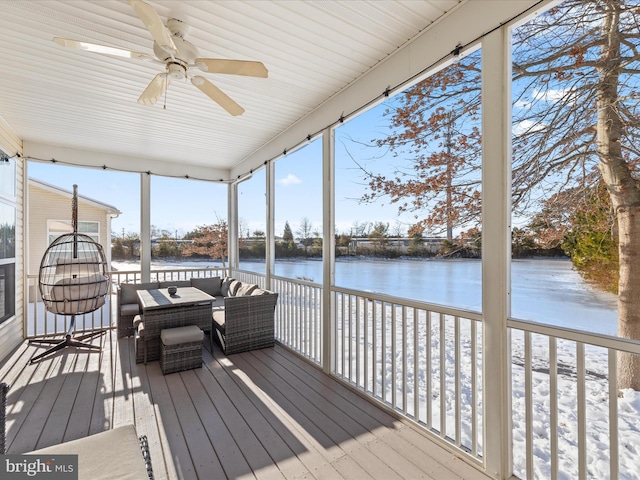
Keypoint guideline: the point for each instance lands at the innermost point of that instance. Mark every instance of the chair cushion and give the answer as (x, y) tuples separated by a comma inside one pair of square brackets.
[(245, 289), (218, 319), (187, 334), (224, 288), (212, 285), (129, 309), (107, 455), (128, 291), (218, 303)]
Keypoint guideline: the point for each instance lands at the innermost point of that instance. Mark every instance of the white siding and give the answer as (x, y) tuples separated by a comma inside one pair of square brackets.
[(47, 205), (11, 331)]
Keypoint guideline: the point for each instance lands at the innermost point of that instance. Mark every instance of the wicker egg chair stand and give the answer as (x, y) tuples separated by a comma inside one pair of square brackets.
[(72, 281)]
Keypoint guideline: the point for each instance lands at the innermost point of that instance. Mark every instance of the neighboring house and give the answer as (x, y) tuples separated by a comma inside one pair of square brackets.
[(50, 217)]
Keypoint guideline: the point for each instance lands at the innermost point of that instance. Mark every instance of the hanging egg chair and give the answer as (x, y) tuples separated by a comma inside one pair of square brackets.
[(72, 281), (73, 275)]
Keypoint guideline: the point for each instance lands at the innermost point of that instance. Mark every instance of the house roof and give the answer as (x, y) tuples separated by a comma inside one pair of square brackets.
[(326, 60), (111, 210)]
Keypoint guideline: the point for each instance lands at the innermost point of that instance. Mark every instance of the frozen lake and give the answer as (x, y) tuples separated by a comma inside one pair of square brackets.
[(543, 290)]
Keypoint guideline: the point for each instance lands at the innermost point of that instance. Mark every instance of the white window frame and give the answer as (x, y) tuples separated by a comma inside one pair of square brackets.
[(95, 236)]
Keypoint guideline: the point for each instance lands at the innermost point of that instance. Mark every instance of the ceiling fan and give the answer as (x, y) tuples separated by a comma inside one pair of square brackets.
[(178, 56)]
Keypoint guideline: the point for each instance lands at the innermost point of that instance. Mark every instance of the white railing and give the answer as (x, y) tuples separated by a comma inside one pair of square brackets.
[(299, 316), (569, 418), (40, 322), (134, 276), (250, 277), (422, 360)]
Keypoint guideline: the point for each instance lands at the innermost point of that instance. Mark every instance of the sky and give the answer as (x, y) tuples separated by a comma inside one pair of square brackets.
[(179, 205)]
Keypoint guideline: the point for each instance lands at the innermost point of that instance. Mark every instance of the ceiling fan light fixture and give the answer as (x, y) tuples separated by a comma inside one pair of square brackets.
[(176, 71)]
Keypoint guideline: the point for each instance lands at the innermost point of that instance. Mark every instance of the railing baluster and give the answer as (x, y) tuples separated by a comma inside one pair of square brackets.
[(614, 462), (365, 354), (443, 380), (474, 390), (553, 405), (582, 411), (428, 395), (404, 359), (457, 380), (383, 364), (343, 336), (528, 403), (416, 366), (374, 356), (358, 342), (394, 351)]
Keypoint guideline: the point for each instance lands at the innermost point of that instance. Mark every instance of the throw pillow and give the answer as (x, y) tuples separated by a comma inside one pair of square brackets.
[(246, 289), (233, 287), (224, 288)]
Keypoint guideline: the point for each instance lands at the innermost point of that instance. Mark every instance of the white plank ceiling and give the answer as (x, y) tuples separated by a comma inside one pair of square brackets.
[(313, 49)]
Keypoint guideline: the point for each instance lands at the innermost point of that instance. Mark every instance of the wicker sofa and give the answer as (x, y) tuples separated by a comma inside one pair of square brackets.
[(242, 314)]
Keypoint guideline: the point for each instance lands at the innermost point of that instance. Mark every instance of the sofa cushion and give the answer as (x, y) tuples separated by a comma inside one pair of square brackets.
[(129, 309), (224, 287), (175, 283), (212, 285), (128, 291), (245, 289), (260, 291), (233, 287)]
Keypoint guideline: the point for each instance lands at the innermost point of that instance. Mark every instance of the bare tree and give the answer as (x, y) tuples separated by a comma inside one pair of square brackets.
[(576, 122), (305, 232)]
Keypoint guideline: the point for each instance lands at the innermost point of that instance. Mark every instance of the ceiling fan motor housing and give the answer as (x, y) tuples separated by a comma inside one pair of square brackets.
[(185, 53)]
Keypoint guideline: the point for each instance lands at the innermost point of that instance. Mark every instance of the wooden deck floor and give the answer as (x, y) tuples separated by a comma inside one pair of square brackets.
[(262, 414)]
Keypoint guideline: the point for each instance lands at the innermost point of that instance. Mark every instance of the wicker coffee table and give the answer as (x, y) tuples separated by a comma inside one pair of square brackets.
[(189, 306)]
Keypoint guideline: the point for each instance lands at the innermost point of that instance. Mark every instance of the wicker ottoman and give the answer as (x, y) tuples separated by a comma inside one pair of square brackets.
[(181, 348)]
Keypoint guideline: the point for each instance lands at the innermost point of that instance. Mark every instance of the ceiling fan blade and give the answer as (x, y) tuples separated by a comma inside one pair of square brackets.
[(95, 48), (155, 89), (217, 95), (232, 67), (154, 24)]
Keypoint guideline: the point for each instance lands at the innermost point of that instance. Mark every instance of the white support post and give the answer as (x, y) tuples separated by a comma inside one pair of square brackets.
[(232, 213), (271, 223), (496, 250), (328, 248), (107, 243), (145, 227)]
